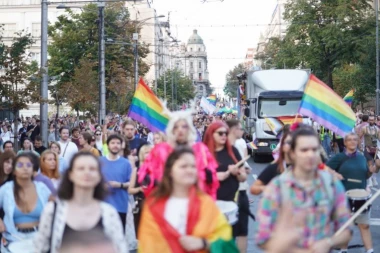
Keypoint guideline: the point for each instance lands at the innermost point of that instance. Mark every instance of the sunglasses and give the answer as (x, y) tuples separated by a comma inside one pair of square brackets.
[(20, 165), (98, 134), (221, 133)]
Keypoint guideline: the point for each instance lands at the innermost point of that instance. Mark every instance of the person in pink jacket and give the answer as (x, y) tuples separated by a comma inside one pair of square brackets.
[(180, 131)]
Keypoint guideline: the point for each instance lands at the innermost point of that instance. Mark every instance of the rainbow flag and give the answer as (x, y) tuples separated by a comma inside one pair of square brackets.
[(204, 220), (289, 120), (147, 109), (323, 105), (212, 99), (251, 145), (349, 97)]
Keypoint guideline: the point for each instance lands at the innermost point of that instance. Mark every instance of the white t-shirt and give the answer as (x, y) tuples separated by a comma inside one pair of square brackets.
[(69, 152), (176, 213), (241, 145)]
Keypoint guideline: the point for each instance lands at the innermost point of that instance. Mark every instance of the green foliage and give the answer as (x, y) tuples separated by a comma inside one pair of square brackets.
[(14, 83), (75, 38), (323, 36), (183, 87), (232, 83)]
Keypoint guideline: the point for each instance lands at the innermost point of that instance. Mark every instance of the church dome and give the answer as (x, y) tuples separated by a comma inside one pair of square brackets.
[(195, 38)]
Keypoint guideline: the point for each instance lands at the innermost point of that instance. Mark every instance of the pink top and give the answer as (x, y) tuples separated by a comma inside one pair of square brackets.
[(155, 162)]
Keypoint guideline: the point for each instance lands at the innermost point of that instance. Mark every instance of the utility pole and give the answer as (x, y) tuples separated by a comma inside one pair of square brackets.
[(102, 82), (136, 53), (377, 56), (44, 69)]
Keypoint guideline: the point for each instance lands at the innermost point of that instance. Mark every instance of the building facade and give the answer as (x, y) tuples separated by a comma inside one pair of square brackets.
[(191, 59)]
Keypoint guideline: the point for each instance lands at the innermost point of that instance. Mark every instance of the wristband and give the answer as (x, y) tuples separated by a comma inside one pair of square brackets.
[(121, 185)]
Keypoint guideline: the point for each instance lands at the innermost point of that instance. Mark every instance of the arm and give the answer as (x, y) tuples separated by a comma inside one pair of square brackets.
[(41, 240), (257, 187), (132, 189)]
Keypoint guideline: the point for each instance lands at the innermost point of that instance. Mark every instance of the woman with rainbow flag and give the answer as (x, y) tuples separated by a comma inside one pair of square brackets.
[(177, 217), (179, 131)]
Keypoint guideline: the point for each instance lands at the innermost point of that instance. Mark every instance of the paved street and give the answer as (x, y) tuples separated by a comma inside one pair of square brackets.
[(257, 168)]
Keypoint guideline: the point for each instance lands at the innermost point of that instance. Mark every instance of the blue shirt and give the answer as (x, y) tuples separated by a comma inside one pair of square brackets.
[(120, 171), (8, 203)]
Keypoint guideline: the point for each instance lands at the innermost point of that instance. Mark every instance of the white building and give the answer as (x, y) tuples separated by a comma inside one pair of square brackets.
[(153, 33), (18, 15), (191, 59)]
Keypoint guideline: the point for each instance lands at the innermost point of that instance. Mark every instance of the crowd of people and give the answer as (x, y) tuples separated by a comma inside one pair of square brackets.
[(118, 187)]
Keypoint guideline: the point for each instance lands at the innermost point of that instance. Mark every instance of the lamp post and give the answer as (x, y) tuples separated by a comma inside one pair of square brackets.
[(44, 70), (377, 56)]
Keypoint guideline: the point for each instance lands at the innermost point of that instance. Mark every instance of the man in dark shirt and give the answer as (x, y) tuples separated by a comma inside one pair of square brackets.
[(129, 130), (38, 147), (34, 129)]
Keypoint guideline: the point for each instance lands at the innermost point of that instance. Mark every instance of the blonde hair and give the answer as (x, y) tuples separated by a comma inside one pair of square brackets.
[(162, 135), (142, 150), (44, 169)]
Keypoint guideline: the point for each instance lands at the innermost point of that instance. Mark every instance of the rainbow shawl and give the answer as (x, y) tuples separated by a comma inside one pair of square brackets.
[(153, 167), (204, 220)]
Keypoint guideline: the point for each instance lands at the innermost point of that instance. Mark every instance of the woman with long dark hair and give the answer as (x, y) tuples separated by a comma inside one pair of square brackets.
[(23, 200), (80, 209), (276, 168), (177, 217), (6, 166)]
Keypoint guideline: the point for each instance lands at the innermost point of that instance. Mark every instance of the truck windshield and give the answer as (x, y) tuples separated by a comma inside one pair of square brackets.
[(275, 108)]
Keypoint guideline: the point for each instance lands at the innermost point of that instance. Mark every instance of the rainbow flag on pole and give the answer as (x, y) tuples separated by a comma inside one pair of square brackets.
[(212, 99), (349, 97), (147, 109), (252, 145), (323, 105)]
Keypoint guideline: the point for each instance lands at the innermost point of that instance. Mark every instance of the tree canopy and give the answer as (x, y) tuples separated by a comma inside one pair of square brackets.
[(232, 83), (75, 42), (183, 88)]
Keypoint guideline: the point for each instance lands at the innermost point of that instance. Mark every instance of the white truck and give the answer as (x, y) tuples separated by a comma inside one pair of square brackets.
[(271, 94)]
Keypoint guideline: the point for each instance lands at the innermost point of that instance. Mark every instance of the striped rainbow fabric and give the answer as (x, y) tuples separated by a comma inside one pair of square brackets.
[(349, 97), (323, 105), (212, 99), (147, 109)]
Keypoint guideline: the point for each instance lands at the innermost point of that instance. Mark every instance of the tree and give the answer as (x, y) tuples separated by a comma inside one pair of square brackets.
[(232, 83), (82, 91), (14, 83), (324, 35), (183, 88), (75, 37)]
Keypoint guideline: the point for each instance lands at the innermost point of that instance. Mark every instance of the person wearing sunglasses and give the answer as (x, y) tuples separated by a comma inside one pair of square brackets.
[(98, 140), (23, 201), (227, 156)]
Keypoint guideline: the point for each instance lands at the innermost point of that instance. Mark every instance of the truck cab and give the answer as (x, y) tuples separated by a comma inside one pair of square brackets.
[(272, 95)]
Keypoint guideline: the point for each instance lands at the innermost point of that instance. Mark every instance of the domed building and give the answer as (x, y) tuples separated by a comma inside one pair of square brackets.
[(192, 61)]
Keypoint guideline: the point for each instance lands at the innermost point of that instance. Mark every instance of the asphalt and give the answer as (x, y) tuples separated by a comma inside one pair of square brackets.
[(356, 243)]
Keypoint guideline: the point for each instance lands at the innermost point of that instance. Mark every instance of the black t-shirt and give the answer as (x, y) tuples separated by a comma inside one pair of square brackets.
[(228, 187), (40, 150), (270, 172)]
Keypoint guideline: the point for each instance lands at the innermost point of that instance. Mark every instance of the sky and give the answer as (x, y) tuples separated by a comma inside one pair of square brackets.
[(226, 46)]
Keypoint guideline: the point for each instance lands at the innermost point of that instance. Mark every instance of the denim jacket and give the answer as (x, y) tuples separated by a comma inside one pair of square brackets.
[(8, 203)]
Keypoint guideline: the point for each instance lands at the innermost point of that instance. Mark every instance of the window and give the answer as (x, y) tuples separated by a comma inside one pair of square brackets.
[(191, 65), (200, 64), (199, 49), (191, 76), (9, 30), (200, 87), (191, 49), (200, 76), (36, 30)]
